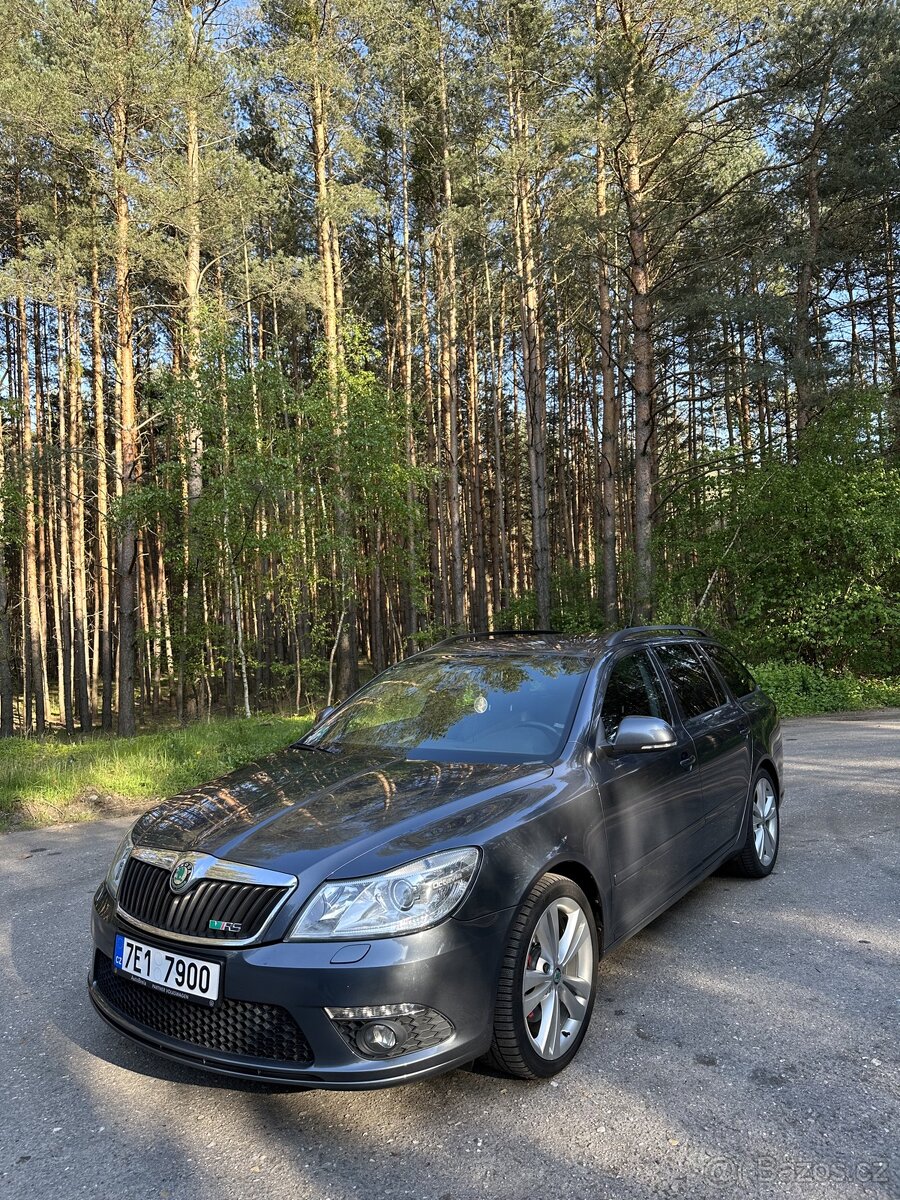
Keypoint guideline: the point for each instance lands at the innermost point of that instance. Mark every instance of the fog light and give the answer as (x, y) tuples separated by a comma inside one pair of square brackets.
[(381, 1037), (389, 1030)]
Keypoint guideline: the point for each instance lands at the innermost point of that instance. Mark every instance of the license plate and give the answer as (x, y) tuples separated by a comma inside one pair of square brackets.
[(165, 971)]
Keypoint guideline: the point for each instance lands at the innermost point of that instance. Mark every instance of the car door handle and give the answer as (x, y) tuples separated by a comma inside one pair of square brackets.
[(687, 761)]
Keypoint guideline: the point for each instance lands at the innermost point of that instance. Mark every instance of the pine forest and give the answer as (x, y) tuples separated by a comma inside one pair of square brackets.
[(329, 328)]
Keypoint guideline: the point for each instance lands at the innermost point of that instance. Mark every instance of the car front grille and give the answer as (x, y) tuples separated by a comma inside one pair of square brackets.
[(145, 896), (234, 1026)]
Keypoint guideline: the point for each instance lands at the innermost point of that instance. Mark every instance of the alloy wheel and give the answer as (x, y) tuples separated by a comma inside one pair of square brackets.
[(765, 822), (559, 975)]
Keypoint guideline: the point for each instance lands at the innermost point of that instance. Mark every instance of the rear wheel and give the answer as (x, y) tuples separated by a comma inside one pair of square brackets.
[(548, 982), (760, 850)]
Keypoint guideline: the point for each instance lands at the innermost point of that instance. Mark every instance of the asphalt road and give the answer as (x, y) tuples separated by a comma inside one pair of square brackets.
[(744, 1044)]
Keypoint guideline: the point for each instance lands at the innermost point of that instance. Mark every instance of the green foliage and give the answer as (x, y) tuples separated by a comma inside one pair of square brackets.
[(800, 690), (270, 443), (42, 782), (804, 556), (574, 604), (520, 613)]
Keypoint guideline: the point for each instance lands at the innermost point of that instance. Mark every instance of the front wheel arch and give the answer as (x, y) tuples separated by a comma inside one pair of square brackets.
[(581, 875)]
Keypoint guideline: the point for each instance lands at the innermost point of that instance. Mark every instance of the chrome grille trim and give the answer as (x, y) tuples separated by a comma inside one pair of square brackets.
[(206, 866)]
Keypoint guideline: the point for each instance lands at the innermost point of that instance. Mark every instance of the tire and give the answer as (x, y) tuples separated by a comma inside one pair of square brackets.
[(517, 1035), (759, 854)]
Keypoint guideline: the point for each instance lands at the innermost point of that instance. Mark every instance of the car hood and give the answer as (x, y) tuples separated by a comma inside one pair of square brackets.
[(300, 809)]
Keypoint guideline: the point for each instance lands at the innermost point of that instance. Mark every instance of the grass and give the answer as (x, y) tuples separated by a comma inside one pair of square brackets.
[(45, 782)]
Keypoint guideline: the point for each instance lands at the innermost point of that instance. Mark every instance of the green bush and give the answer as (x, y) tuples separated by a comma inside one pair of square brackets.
[(794, 561), (800, 690)]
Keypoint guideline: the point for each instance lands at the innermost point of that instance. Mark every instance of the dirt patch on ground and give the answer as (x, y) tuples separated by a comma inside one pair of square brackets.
[(88, 805)]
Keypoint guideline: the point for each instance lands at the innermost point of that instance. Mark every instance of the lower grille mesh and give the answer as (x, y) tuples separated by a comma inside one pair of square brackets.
[(233, 1026)]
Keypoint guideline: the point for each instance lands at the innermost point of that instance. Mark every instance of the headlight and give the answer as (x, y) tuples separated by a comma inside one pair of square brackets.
[(411, 897), (117, 870)]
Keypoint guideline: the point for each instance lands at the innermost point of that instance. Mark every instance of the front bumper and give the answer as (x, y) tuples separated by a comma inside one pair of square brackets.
[(451, 969)]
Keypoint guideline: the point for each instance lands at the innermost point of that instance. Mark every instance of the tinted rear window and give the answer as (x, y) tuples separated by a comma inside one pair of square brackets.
[(690, 682), (732, 670)]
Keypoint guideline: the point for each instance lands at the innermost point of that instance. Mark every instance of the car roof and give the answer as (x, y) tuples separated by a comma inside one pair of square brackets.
[(548, 641)]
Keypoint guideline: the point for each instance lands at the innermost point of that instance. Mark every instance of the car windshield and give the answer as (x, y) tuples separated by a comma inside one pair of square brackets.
[(485, 708)]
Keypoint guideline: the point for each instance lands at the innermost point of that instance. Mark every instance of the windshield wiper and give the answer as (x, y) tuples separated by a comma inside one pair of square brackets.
[(334, 748)]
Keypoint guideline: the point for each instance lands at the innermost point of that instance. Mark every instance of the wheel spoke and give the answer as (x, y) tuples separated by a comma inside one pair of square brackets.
[(538, 994), (573, 938), (575, 997), (575, 983), (548, 1034), (533, 979), (548, 935)]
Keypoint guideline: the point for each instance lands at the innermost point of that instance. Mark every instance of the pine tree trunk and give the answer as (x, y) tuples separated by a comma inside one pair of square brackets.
[(644, 385), (479, 581), (330, 292), (440, 604), (609, 455), (191, 616), (445, 255), (7, 701), (102, 560), (42, 482), (80, 665), (804, 382), (533, 369), (127, 434), (34, 632), (410, 615), (498, 509), (891, 318)]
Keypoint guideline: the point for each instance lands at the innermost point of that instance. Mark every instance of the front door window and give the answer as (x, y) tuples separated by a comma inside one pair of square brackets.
[(633, 690)]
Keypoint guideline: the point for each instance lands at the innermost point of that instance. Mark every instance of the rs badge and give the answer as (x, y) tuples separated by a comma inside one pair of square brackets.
[(225, 926)]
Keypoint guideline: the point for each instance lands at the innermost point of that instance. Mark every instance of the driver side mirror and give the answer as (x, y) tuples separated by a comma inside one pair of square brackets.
[(637, 734)]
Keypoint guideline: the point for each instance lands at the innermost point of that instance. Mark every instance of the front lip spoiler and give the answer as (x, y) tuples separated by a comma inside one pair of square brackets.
[(287, 1076)]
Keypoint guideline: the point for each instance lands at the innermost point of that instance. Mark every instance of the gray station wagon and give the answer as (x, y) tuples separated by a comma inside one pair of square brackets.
[(432, 875)]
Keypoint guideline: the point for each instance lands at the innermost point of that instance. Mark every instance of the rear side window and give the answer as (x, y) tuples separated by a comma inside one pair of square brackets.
[(732, 670), (634, 690), (690, 681)]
